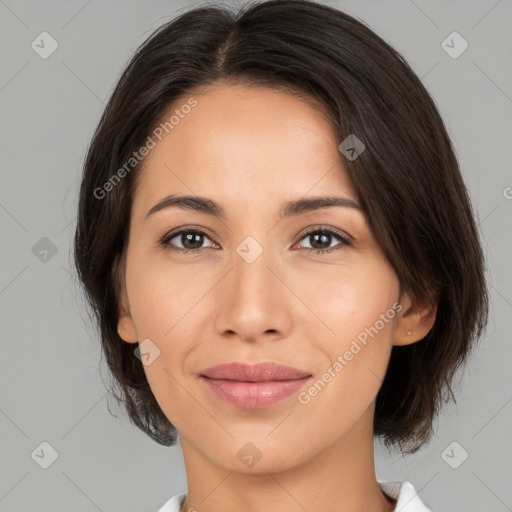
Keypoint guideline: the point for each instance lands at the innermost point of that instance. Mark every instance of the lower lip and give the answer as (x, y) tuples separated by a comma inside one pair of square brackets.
[(254, 395)]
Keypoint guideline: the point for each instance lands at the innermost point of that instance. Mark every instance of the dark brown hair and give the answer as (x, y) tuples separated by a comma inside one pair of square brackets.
[(408, 181)]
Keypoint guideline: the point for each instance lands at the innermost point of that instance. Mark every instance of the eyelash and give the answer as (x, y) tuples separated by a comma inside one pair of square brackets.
[(165, 242)]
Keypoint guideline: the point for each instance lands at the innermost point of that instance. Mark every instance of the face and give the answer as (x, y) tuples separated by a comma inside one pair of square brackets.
[(305, 289)]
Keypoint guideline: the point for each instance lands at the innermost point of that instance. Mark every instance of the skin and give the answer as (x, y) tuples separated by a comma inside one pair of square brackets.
[(251, 148)]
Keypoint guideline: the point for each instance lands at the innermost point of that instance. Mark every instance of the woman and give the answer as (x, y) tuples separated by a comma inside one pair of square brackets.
[(278, 246)]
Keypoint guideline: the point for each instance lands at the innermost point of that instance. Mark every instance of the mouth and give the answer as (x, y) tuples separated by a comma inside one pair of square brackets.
[(254, 386)]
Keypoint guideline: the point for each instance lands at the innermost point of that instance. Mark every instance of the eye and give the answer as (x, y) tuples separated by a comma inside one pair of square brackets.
[(191, 240), (321, 238)]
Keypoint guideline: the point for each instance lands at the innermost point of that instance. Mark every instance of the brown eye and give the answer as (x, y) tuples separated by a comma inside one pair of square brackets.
[(190, 240), (321, 239)]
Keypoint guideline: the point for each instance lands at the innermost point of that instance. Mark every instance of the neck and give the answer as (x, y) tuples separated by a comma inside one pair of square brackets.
[(341, 477)]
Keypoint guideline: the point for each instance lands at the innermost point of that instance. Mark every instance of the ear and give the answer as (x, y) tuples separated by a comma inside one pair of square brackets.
[(414, 321), (125, 325)]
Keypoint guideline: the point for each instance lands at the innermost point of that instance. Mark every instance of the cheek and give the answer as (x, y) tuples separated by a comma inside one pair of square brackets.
[(352, 371), (162, 295), (349, 298), (167, 303), (359, 307)]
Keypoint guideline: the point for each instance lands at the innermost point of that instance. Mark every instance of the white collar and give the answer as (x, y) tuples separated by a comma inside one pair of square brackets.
[(406, 496)]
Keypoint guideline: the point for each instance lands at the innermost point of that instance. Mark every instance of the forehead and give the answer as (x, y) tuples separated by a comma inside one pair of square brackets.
[(243, 145)]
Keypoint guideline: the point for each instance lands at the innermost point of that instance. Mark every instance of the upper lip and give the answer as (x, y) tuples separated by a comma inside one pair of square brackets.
[(258, 372)]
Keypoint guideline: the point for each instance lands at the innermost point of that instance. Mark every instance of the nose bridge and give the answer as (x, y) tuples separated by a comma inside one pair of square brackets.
[(252, 277), (251, 301)]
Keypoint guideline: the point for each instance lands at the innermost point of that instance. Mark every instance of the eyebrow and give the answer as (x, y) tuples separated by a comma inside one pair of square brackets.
[(289, 209)]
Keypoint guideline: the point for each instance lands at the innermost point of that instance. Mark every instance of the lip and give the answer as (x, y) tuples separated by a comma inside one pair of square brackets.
[(259, 372), (254, 386)]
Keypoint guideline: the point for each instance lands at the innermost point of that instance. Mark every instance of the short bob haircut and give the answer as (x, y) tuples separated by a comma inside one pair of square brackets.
[(408, 182)]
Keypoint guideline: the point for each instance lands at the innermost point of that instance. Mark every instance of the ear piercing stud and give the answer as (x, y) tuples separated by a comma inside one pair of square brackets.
[(409, 332)]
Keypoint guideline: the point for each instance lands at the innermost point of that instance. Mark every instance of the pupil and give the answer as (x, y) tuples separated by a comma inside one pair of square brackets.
[(189, 237), (324, 237)]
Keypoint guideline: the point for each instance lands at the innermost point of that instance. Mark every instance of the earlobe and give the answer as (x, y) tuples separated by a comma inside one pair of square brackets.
[(414, 321), (126, 328), (125, 325)]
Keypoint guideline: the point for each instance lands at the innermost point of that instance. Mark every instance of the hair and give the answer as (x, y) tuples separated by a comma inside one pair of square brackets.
[(408, 182)]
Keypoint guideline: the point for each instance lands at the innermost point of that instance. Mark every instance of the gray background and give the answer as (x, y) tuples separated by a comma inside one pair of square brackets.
[(51, 379)]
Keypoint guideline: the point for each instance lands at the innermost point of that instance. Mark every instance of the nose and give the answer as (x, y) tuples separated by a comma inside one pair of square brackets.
[(253, 300)]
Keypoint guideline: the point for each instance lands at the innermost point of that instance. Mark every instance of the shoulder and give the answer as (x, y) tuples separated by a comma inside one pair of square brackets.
[(406, 496)]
